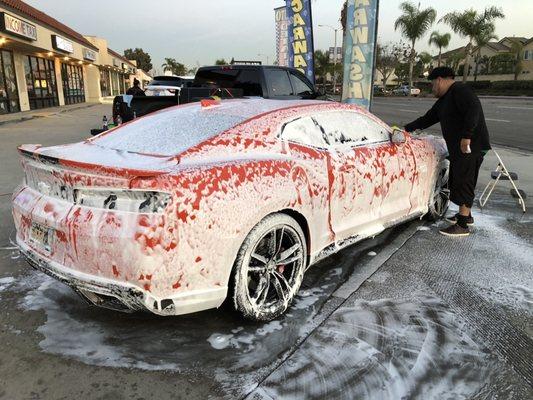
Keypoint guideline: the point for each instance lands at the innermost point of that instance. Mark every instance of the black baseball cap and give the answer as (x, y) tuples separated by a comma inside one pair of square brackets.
[(441, 72)]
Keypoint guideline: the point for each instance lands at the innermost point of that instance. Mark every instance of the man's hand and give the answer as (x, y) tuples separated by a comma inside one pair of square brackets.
[(465, 146)]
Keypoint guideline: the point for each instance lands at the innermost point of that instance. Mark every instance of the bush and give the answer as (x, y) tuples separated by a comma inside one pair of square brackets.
[(513, 85), (480, 85)]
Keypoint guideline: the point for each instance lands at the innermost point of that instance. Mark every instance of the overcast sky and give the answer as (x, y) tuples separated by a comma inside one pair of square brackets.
[(200, 31)]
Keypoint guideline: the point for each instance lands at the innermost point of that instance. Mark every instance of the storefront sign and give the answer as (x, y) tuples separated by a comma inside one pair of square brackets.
[(359, 51), (282, 36), (18, 27), (301, 55), (89, 55), (62, 44)]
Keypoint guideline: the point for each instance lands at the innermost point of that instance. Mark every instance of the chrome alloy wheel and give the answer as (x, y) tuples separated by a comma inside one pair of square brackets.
[(441, 196), (272, 263)]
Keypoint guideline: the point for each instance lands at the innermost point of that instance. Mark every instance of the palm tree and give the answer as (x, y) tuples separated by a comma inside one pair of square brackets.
[(482, 39), (414, 23), (516, 49), (322, 65), (441, 41), (175, 67), (470, 24)]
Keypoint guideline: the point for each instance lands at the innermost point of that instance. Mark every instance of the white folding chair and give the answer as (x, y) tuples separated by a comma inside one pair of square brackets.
[(502, 173)]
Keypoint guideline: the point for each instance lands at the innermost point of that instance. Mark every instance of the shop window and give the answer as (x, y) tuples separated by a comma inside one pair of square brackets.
[(41, 82), (9, 97), (73, 85), (105, 84)]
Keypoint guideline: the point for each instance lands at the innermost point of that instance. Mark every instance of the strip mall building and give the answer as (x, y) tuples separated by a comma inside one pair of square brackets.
[(44, 63)]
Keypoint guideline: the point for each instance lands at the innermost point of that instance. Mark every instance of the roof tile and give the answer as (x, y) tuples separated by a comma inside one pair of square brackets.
[(37, 15)]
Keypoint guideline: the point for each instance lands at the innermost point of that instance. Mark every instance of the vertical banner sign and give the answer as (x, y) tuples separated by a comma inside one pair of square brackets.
[(300, 24), (359, 51), (282, 36)]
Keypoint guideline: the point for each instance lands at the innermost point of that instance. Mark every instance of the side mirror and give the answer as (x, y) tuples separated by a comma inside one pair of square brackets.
[(398, 136)]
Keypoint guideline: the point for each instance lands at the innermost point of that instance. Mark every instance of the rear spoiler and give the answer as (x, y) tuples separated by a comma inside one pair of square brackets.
[(30, 151)]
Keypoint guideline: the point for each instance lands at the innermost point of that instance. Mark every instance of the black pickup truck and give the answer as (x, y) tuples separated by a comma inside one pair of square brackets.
[(227, 81)]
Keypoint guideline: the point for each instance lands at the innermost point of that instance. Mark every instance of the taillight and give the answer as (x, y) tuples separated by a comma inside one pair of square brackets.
[(141, 201)]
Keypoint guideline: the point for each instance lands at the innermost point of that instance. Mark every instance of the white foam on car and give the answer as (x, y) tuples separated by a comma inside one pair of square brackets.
[(177, 129)]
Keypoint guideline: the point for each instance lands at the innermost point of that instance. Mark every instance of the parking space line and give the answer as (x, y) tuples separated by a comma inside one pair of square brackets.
[(516, 108), (497, 120)]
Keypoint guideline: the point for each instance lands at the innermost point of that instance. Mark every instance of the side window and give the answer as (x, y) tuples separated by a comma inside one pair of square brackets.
[(278, 81), (305, 131), (301, 88), (248, 81), (352, 128)]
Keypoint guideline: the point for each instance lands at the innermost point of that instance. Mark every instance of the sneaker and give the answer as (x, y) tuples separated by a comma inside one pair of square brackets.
[(455, 230), (453, 220)]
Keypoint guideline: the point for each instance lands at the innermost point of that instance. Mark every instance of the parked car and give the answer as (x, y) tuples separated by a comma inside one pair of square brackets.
[(404, 91), (179, 210), (381, 91), (167, 85), (271, 82)]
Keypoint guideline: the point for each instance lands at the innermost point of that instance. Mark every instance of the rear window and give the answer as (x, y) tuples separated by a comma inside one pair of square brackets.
[(169, 132), (246, 79), (168, 81), (175, 130)]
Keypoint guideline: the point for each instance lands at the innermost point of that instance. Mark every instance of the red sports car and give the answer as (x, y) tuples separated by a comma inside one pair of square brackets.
[(179, 210)]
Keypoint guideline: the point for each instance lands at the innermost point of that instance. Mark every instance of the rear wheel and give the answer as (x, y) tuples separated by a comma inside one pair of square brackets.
[(440, 199), (269, 268)]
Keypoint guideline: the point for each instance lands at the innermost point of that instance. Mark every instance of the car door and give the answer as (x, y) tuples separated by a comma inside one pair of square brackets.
[(356, 175), (303, 140)]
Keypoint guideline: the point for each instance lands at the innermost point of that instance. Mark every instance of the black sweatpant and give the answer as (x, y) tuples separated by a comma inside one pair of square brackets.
[(464, 171)]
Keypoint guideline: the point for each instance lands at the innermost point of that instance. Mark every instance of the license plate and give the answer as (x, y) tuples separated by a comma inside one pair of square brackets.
[(41, 236)]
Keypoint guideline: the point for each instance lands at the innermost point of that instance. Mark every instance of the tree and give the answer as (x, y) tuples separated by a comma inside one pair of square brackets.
[(322, 66), (454, 60), (173, 66), (388, 57), (470, 24), (413, 24), (516, 49), (482, 39), (441, 41), (144, 61), (424, 58), (344, 12), (221, 61)]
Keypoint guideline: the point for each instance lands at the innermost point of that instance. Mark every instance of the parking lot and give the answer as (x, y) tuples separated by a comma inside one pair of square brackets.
[(408, 314)]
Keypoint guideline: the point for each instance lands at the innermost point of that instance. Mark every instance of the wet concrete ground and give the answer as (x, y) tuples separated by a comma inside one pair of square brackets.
[(409, 314)]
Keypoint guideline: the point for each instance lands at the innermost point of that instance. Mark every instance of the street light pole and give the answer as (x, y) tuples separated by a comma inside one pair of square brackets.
[(334, 57)]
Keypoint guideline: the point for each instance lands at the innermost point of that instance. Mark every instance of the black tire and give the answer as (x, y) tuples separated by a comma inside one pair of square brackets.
[(263, 285), (440, 198)]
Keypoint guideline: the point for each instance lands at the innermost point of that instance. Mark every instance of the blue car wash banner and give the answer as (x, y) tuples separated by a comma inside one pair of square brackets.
[(359, 51), (301, 53)]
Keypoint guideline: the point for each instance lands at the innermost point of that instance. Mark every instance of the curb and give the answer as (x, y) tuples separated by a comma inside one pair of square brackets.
[(57, 112), (517, 98)]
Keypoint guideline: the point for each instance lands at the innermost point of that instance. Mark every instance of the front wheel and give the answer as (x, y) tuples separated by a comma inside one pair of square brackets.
[(269, 268), (440, 200)]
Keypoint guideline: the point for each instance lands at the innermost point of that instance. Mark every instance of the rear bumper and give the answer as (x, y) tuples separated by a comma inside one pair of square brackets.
[(122, 296)]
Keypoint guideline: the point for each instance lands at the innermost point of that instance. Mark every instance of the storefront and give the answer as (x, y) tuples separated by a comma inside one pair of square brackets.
[(41, 83), (9, 97), (114, 70), (43, 63), (73, 86)]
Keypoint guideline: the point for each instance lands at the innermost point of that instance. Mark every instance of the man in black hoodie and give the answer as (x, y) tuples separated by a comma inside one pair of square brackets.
[(464, 129)]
